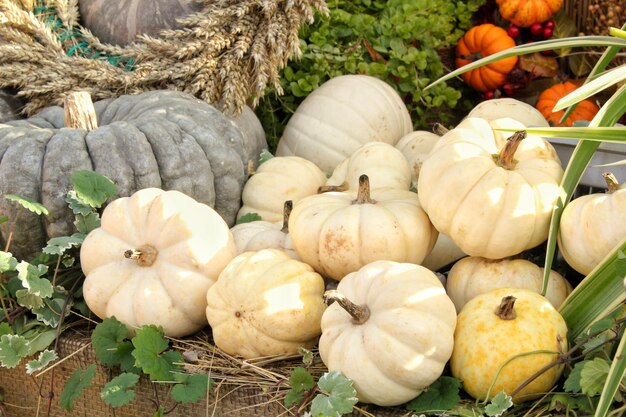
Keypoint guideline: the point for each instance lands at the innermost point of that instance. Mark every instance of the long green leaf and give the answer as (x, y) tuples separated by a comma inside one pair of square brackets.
[(530, 48), (613, 380), (604, 81), (597, 295), (596, 134)]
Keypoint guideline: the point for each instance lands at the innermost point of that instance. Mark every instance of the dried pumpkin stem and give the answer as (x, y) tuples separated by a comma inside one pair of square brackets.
[(79, 112), (363, 195), (360, 314), (287, 207), (611, 182), (145, 255), (440, 129), (326, 188), (506, 157), (506, 310)]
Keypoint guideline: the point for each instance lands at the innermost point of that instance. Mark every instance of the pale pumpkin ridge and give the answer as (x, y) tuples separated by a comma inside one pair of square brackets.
[(390, 103), (304, 136)]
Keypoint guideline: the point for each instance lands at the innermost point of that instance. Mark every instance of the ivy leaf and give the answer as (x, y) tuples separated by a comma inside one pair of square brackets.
[(248, 217), (499, 404), (265, 156), (593, 376), (27, 299), (110, 345), (338, 396), (85, 223), (5, 328), (120, 390), (41, 341), (30, 275), (152, 356), (300, 382), (45, 358), (191, 387), (58, 245), (12, 349), (442, 395), (50, 313), (92, 188), (7, 262), (75, 385), (77, 205), (307, 356), (29, 204)]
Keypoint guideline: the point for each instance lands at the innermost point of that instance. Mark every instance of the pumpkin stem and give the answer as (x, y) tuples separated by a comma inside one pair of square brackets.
[(440, 129), (287, 207), (611, 182), (79, 112), (363, 195), (326, 188), (144, 255), (360, 314), (250, 168), (505, 310), (506, 156)]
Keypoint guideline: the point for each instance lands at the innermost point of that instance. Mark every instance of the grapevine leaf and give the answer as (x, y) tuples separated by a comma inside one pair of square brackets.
[(92, 188), (499, 404), (30, 275), (50, 313), (28, 204), (5, 328), (110, 345), (120, 390), (442, 395), (58, 245), (248, 217), (45, 358), (12, 349), (77, 205), (593, 376), (87, 223), (191, 387), (338, 396), (74, 387), (40, 341), (4, 219), (265, 156), (300, 381), (7, 262), (27, 299), (151, 355)]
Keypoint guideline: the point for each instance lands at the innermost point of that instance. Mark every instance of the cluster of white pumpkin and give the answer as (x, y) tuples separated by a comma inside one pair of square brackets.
[(162, 258)]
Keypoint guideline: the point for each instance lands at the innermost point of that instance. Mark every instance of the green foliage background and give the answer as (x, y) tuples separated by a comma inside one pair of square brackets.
[(397, 41)]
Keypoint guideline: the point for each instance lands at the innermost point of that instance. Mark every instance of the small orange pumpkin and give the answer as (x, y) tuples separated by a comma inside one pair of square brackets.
[(481, 41), (585, 110), (526, 12)]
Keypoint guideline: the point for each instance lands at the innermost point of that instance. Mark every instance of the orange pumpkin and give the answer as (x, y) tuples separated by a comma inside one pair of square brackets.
[(585, 110), (526, 12), (481, 41)]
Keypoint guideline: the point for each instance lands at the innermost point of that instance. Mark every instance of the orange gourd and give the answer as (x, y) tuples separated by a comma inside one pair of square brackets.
[(585, 110), (526, 12), (481, 41)]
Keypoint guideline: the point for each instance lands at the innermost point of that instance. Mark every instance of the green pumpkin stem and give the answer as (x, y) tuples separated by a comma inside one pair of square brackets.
[(363, 195), (506, 157), (360, 314), (611, 182), (326, 188), (505, 310), (79, 112), (145, 255), (287, 207)]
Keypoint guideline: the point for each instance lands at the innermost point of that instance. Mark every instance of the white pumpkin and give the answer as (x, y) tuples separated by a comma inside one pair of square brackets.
[(415, 147), (509, 107), (385, 166), (339, 232), (444, 253), (473, 276), (265, 303), (340, 116), (494, 197), (153, 259), (390, 331), (277, 180), (592, 225)]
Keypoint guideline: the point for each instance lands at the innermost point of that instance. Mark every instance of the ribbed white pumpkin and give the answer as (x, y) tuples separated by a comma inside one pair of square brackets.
[(474, 275), (509, 107), (397, 340), (444, 253), (415, 147), (592, 225), (489, 204), (277, 180), (339, 232), (265, 303), (340, 116), (153, 259), (385, 166)]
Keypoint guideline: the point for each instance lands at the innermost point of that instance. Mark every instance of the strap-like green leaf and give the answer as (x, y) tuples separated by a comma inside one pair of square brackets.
[(613, 380)]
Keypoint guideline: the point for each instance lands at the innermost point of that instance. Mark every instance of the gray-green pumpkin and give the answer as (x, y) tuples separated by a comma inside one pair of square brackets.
[(163, 139)]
